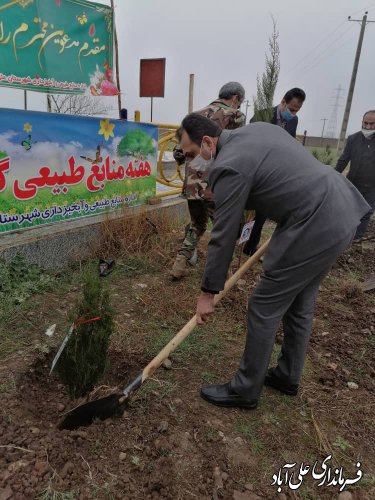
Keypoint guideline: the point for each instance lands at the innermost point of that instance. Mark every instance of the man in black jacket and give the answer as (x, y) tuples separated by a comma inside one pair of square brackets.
[(285, 116), (360, 152)]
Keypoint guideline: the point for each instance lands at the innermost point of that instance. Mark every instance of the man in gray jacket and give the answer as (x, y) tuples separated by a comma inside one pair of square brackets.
[(317, 211), (360, 152)]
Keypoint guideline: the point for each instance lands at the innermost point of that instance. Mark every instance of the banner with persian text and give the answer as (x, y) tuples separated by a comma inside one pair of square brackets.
[(59, 46), (56, 167)]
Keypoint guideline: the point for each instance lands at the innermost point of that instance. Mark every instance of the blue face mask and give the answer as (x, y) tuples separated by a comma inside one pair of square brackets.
[(287, 115)]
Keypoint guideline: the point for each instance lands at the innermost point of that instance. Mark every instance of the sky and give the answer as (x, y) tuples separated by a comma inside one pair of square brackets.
[(221, 41)]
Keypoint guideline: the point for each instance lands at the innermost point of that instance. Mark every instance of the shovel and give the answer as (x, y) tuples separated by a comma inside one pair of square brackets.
[(115, 404)]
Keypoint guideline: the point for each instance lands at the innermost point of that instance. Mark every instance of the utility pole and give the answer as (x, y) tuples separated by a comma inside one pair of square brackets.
[(364, 22), (247, 104), (324, 124), (332, 122), (191, 93)]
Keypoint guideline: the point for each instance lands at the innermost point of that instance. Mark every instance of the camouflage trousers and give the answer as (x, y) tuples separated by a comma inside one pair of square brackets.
[(201, 212)]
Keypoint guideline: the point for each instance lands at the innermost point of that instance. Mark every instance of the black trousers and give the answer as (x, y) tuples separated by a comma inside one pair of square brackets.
[(369, 196)]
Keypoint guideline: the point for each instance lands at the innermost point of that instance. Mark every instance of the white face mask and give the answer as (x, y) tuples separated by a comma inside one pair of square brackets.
[(199, 163), (368, 133)]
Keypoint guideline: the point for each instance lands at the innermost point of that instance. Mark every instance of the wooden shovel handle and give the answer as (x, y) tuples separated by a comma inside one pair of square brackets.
[(187, 329)]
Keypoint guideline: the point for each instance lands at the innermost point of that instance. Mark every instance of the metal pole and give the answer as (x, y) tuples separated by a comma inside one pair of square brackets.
[(152, 103), (304, 138), (340, 145), (191, 93), (25, 99), (247, 104), (324, 124), (116, 61)]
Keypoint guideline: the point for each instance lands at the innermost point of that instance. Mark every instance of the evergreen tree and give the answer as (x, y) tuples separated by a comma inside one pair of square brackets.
[(84, 358), (266, 85)]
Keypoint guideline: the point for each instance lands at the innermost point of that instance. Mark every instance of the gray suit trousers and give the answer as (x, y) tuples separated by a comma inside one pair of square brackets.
[(288, 295)]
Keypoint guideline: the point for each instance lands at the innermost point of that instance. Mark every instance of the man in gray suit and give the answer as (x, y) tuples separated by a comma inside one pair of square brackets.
[(317, 211)]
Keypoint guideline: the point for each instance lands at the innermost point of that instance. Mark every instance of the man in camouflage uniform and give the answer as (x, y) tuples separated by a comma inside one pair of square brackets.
[(225, 112)]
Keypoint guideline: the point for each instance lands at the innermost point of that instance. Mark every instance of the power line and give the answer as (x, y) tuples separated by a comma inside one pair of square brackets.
[(349, 100), (369, 7), (322, 54), (327, 37), (316, 47), (330, 53), (332, 124), (307, 69)]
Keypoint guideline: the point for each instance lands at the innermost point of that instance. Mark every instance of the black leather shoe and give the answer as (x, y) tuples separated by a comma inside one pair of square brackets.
[(272, 381), (223, 395)]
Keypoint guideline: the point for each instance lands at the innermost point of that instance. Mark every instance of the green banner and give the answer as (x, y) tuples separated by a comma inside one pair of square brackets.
[(59, 46)]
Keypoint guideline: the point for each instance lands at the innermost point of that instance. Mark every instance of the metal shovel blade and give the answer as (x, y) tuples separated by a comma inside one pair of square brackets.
[(100, 409)]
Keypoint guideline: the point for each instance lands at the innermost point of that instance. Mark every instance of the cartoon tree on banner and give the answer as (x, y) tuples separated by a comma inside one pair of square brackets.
[(136, 143), (3, 154)]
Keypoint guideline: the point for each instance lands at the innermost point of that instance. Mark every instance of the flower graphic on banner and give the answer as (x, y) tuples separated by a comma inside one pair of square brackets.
[(102, 82), (106, 129), (27, 128), (82, 19)]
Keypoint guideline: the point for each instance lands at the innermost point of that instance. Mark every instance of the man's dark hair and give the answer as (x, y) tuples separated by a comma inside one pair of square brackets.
[(197, 126), (371, 112), (295, 93)]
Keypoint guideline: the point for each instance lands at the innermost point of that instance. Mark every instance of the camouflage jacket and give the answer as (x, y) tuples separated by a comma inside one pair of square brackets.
[(195, 183)]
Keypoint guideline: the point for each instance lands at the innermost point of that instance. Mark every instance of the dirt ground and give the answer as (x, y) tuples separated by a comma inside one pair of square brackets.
[(170, 443)]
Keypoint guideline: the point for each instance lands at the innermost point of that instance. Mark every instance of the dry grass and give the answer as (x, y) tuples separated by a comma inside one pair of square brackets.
[(142, 234)]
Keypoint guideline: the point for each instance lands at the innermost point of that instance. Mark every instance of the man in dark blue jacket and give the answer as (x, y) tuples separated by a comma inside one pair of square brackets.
[(360, 152), (285, 116)]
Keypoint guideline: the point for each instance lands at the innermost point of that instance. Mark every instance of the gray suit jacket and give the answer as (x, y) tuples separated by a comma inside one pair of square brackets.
[(262, 167)]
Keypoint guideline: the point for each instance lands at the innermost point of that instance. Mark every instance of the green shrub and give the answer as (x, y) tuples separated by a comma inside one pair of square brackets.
[(84, 358), (325, 156), (20, 280)]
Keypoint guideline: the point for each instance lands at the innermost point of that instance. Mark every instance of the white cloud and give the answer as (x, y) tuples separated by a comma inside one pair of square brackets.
[(51, 154)]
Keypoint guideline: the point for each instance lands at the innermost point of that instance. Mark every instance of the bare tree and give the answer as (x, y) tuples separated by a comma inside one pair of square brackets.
[(266, 85), (79, 105)]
